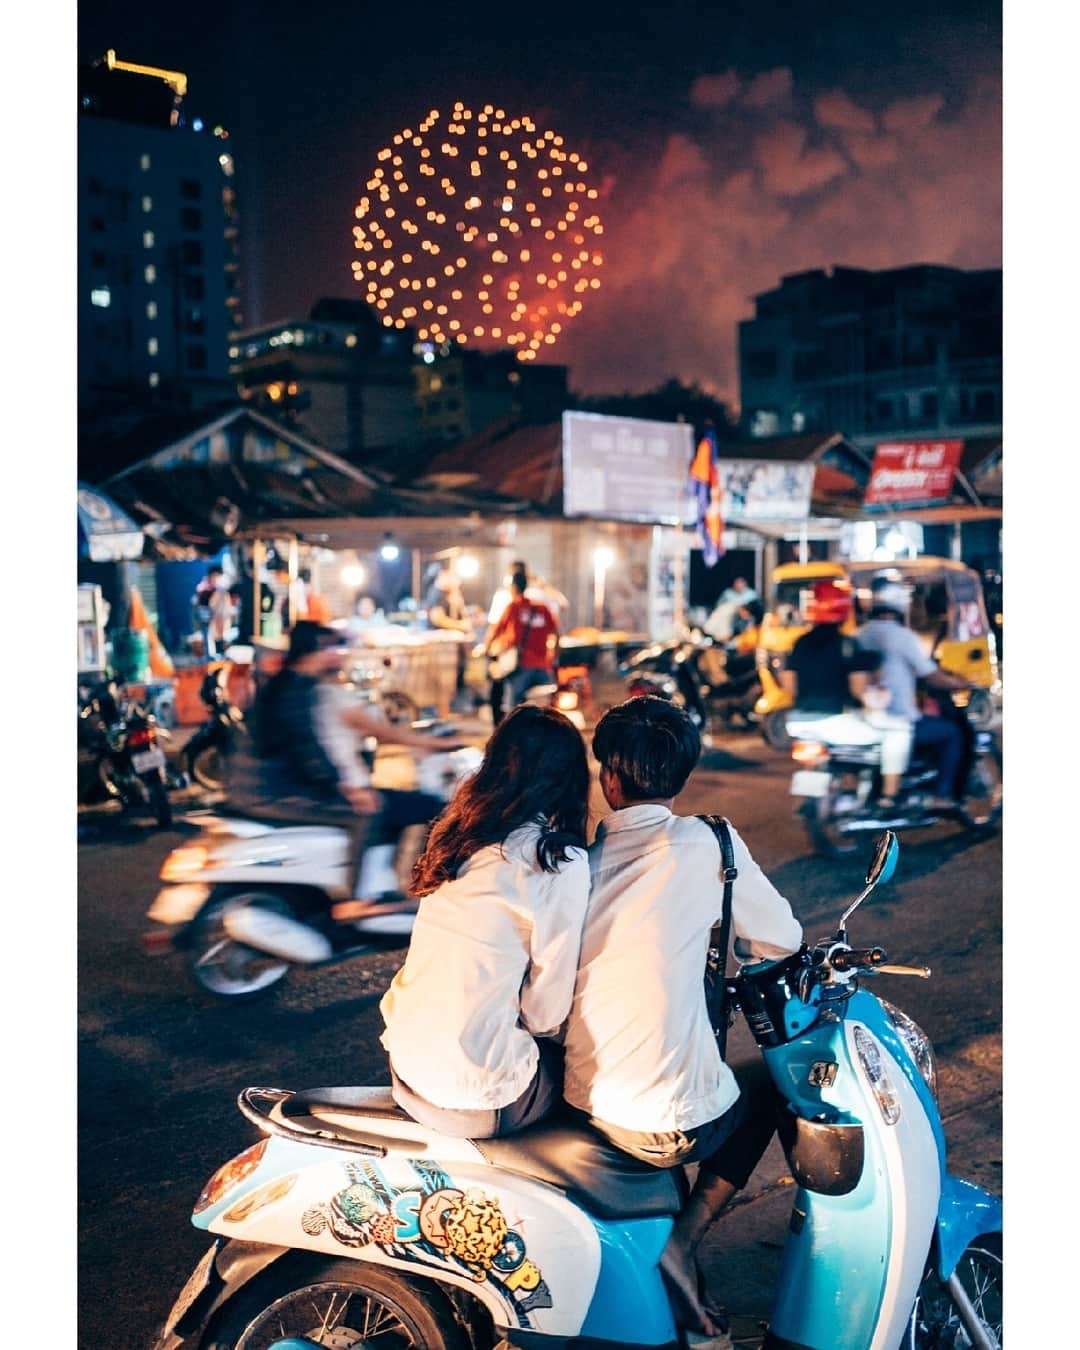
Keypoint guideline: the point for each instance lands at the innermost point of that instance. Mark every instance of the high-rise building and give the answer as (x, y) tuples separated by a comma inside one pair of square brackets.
[(339, 374), (910, 350), (459, 392), (158, 250)]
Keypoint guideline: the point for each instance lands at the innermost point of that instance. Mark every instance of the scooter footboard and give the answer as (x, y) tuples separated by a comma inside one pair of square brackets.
[(965, 1212)]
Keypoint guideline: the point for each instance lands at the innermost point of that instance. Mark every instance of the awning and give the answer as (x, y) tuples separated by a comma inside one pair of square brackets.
[(106, 533)]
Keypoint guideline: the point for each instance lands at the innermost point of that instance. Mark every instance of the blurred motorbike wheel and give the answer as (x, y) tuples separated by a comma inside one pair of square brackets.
[(351, 1302)]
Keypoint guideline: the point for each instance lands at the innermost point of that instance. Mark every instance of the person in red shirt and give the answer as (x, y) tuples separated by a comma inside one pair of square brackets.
[(529, 626)]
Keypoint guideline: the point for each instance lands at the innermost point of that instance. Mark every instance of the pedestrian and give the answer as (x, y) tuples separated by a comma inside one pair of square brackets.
[(203, 607), (490, 970), (316, 608), (447, 610), (642, 1060), (524, 642), (499, 601)]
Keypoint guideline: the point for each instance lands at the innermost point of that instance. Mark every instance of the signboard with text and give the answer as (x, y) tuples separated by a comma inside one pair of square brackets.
[(764, 490), (911, 472), (626, 468)]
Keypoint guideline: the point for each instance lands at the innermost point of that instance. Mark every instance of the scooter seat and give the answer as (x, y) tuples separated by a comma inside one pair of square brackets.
[(562, 1151), (571, 1155)]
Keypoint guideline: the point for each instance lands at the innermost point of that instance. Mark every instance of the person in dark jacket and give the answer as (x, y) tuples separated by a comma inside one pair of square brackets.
[(287, 774)]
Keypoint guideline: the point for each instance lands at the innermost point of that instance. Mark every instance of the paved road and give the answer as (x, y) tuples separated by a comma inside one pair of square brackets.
[(159, 1066)]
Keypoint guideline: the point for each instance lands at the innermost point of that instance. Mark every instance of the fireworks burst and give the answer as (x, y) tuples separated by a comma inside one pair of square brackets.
[(480, 229)]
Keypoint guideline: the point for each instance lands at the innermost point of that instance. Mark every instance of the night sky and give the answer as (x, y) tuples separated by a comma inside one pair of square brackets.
[(731, 142)]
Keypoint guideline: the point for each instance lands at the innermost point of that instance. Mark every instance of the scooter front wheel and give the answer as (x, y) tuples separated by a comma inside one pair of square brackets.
[(774, 729), (938, 1322), (334, 1303), (207, 766), (821, 825), (224, 967)]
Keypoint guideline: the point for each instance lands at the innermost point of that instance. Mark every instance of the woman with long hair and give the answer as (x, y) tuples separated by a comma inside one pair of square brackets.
[(493, 957)]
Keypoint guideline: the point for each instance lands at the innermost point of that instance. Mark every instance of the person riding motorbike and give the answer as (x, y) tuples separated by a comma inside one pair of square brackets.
[(826, 670), (292, 771), (903, 661)]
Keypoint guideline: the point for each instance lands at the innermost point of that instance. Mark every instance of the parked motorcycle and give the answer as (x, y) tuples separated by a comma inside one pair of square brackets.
[(839, 781), (205, 754), (709, 679), (347, 1221), (121, 741), (246, 899)]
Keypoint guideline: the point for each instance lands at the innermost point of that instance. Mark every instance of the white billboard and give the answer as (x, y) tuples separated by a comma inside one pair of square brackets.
[(626, 468), (764, 490)]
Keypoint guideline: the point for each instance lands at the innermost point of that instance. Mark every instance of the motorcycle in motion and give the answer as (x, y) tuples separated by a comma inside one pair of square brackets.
[(838, 779), (347, 1220), (707, 678), (246, 900), (208, 749), (121, 740)]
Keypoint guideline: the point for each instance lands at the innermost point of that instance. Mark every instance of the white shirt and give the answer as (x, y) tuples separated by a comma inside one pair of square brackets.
[(491, 964), (904, 660), (640, 1051), (341, 743)]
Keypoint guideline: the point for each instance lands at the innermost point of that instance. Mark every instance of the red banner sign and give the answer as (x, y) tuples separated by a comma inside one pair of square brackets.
[(912, 471)]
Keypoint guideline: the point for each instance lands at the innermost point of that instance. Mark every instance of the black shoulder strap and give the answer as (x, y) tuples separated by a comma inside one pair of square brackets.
[(716, 963)]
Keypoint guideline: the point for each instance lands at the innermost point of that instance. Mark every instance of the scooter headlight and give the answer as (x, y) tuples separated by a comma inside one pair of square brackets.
[(918, 1044), (873, 1066), (184, 862)]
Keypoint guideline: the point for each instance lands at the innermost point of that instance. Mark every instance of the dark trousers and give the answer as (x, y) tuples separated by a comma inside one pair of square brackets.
[(947, 741), (497, 700), (541, 1096), (729, 1147)]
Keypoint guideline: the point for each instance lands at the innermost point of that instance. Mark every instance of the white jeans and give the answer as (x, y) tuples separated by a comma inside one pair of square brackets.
[(891, 732)]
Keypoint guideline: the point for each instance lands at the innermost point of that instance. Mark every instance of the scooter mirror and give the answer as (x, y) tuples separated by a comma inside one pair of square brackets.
[(881, 869), (883, 863)]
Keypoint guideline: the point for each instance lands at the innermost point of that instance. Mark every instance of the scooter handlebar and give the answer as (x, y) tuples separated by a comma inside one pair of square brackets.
[(854, 958)]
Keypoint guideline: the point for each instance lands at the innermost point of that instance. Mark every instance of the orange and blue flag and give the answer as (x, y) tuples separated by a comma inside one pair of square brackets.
[(705, 489)]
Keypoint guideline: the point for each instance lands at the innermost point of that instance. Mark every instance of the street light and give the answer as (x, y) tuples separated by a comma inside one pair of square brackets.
[(389, 550), (603, 557), (467, 566), (353, 575)]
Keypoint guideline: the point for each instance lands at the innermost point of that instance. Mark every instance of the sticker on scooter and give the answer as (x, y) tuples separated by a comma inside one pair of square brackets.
[(437, 1222)]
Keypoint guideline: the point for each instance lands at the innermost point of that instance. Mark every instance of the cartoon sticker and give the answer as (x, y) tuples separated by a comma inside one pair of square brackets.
[(437, 1223)]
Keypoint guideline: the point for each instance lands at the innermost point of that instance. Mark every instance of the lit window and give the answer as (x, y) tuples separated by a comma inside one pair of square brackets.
[(147, 204), (101, 297), (151, 309), (155, 379), (151, 347), (148, 239), (150, 273), (144, 162)]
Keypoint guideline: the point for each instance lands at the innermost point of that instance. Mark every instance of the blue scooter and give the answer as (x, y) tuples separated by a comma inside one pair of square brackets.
[(348, 1225)]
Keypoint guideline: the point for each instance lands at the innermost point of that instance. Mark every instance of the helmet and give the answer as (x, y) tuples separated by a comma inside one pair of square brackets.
[(832, 601), (888, 594)]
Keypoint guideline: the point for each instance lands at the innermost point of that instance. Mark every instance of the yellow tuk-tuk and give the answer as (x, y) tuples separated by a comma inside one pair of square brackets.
[(947, 612)]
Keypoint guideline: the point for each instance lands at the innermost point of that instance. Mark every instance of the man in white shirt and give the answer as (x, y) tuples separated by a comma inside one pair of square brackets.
[(641, 1056)]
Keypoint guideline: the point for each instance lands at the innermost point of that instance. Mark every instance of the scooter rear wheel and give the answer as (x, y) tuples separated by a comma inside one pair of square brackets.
[(223, 967), (936, 1323), (347, 1305)]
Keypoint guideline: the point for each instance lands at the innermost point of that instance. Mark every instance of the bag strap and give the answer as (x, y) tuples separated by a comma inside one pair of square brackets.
[(716, 962)]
